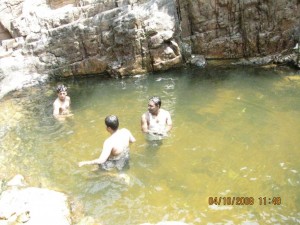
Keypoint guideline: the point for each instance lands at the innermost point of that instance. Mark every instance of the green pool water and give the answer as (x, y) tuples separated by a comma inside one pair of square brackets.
[(235, 134)]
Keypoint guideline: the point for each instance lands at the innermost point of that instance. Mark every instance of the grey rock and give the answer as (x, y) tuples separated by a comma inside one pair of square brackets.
[(34, 206), (198, 60)]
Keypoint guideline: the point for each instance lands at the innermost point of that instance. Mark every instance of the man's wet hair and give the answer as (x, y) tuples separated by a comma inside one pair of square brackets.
[(112, 121), (61, 88), (156, 100)]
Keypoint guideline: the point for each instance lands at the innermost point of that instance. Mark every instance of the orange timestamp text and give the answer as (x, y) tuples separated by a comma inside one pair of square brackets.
[(244, 200)]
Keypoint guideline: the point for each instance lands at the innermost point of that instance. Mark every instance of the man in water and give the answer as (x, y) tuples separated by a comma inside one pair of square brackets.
[(115, 152), (157, 121), (61, 106)]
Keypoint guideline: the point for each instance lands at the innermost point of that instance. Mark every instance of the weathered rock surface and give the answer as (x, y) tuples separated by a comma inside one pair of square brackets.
[(64, 38), (198, 60), (235, 29), (33, 206)]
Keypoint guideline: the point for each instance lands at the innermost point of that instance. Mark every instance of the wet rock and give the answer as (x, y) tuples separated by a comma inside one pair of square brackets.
[(255, 61), (198, 60), (291, 59), (296, 58)]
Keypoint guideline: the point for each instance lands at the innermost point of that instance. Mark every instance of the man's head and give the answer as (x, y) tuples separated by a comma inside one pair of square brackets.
[(156, 100), (112, 122), (61, 88), (154, 104), (61, 92)]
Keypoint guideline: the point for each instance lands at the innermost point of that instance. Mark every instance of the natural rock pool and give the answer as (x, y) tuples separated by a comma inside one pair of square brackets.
[(235, 134)]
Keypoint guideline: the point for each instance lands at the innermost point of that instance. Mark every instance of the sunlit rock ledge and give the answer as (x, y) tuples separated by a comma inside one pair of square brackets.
[(32, 206), (62, 38)]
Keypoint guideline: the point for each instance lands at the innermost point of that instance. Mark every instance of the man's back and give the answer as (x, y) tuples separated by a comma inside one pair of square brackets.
[(119, 141), (115, 152)]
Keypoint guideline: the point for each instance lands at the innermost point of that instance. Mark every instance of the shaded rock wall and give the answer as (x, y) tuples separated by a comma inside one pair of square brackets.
[(4, 34), (240, 28), (55, 4)]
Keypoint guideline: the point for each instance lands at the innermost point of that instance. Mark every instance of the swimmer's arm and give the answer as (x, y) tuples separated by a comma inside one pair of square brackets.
[(103, 157), (69, 108), (55, 109), (144, 124), (169, 123), (131, 138)]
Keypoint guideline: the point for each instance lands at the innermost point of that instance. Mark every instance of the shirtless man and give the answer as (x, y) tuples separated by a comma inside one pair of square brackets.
[(115, 152), (61, 106), (156, 121)]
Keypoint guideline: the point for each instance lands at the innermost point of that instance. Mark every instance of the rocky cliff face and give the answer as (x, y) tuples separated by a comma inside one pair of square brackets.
[(126, 37), (240, 28)]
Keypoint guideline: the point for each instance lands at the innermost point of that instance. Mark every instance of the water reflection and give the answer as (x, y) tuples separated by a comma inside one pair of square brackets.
[(235, 133)]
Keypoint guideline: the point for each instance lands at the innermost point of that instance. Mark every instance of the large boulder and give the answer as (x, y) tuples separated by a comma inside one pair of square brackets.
[(33, 206)]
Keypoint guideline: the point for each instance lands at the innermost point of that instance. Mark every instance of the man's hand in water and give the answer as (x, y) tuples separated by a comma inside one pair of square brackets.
[(80, 164), (92, 162)]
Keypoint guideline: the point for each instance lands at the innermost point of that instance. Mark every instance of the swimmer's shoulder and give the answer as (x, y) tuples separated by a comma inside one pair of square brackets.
[(56, 102), (164, 112)]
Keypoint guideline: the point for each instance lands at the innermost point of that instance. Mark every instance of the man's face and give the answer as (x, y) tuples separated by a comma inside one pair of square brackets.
[(62, 95), (152, 108)]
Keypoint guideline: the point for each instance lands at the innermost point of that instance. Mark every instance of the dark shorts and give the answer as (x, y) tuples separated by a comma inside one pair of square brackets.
[(121, 163)]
